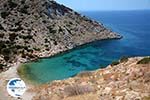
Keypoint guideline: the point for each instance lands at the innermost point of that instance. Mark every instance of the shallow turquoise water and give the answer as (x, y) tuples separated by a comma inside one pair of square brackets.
[(133, 25)]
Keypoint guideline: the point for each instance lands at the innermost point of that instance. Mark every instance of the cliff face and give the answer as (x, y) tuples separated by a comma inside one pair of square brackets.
[(39, 28), (127, 80)]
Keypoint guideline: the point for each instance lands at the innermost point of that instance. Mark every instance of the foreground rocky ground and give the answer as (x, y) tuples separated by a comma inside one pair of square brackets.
[(128, 79), (40, 28), (124, 81)]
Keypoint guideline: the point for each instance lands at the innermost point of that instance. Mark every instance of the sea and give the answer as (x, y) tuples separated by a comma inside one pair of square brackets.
[(134, 26)]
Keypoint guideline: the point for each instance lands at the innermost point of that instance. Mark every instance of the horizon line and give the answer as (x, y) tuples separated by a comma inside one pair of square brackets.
[(114, 10)]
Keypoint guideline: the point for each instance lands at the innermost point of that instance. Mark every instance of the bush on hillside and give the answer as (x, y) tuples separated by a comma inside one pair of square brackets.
[(124, 59), (114, 63), (1, 66), (2, 28), (4, 14), (12, 36), (12, 4), (1, 35), (24, 9), (144, 61)]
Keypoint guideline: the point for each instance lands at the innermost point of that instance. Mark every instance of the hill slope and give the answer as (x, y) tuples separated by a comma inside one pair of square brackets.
[(40, 28)]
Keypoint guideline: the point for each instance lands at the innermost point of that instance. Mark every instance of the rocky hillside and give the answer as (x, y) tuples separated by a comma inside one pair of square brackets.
[(40, 28), (128, 79)]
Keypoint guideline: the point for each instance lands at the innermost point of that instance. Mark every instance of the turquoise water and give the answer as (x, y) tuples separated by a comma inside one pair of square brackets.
[(134, 26)]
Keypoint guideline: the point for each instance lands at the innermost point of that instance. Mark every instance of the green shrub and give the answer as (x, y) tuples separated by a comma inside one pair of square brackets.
[(29, 36), (36, 49), (6, 51), (46, 45), (60, 29), (124, 59), (30, 55), (55, 42), (51, 30), (46, 40), (18, 46), (26, 37), (4, 14), (1, 35), (144, 61), (12, 36), (2, 45), (6, 58), (23, 55), (1, 66), (47, 49), (22, 1), (24, 9), (30, 50), (17, 29), (1, 28), (12, 4), (114, 63)]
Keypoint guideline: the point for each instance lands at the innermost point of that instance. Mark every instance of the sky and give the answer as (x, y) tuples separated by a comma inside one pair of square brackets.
[(98, 5)]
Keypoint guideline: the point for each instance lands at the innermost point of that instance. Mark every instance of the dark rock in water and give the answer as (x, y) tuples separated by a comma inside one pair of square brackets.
[(43, 28)]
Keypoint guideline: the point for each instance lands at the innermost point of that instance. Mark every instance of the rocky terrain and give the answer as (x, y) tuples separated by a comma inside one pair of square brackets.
[(39, 28), (128, 79)]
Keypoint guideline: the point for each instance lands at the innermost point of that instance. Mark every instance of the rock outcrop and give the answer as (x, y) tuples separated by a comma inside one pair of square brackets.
[(41, 28), (127, 80)]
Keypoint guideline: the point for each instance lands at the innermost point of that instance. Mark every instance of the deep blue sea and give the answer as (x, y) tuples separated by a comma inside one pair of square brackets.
[(134, 26)]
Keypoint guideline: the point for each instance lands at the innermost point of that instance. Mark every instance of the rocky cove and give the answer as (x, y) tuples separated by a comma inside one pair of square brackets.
[(42, 28), (30, 30), (98, 54)]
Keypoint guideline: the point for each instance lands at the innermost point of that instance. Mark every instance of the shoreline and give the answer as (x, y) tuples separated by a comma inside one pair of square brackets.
[(50, 54), (70, 50), (12, 72), (31, 81)]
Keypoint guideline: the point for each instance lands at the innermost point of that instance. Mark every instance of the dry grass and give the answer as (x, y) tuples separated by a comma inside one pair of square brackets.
[(78, 90), (85, 74)]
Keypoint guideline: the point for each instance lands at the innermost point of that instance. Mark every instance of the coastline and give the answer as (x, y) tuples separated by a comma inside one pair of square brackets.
[(57, 52), (23, 66), (11, 69), (45, 40), (61, 52), (11, 72), (39, 37)]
